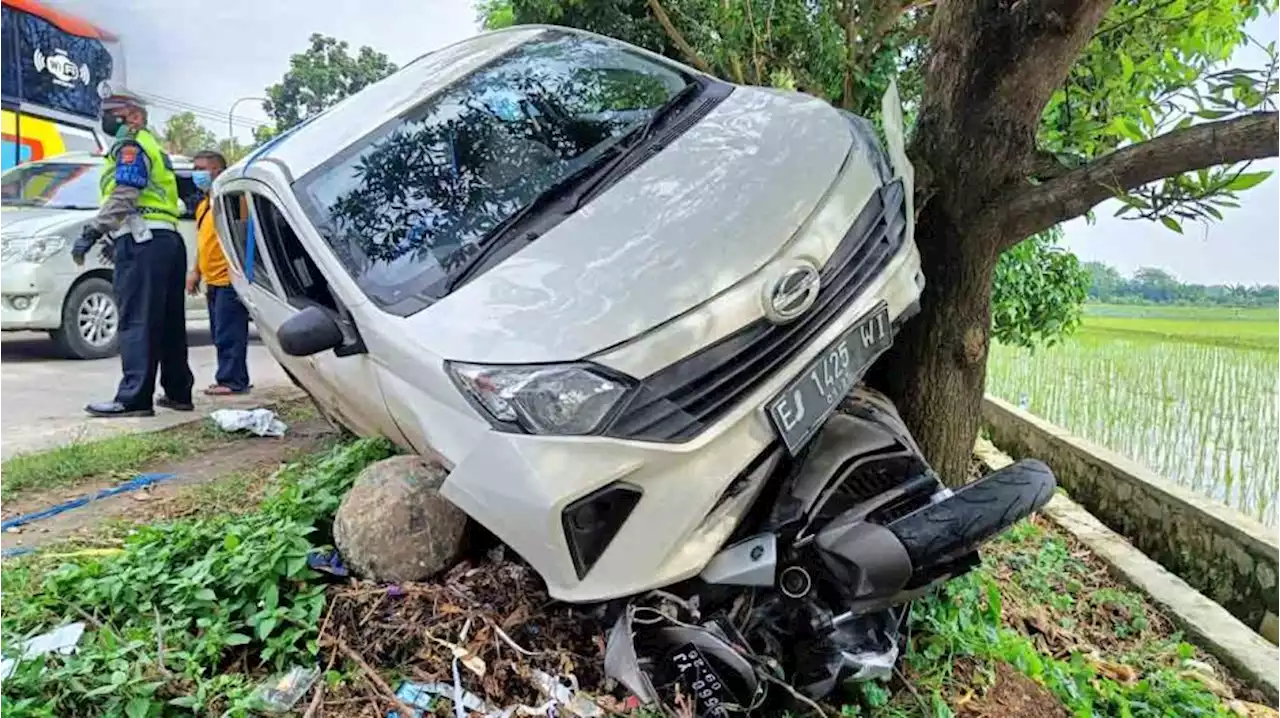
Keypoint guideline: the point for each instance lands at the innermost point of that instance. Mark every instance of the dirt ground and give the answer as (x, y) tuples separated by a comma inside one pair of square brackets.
[(255, 456)]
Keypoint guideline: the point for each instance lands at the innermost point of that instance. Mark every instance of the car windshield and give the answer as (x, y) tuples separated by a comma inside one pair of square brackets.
[(52, 185), (407, 206)]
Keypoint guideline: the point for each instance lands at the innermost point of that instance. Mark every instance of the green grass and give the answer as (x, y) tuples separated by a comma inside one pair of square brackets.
[(188, 614), (125, 454), (1190, 392), (1086, 629), (81, 461)]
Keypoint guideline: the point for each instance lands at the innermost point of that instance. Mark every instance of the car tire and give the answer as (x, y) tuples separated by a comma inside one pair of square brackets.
[(90, 321)]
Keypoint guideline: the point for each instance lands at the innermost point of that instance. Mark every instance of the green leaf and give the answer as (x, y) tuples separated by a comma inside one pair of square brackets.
[(1212, 114), (1246, 180), (1130, 129), (271, 597), (138, 708), (237, 639), (266, 627), (185, 701), (1171, 223), (1126, 68), (230, 542), (206, 594)]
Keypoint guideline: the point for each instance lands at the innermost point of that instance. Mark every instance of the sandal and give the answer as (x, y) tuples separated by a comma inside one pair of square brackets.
[(220, 390)]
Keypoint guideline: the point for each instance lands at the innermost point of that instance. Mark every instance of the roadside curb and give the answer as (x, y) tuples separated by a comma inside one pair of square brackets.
[(1208, 624)]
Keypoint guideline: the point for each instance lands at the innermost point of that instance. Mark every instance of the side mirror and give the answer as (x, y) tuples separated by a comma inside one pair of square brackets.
[(308, 332)]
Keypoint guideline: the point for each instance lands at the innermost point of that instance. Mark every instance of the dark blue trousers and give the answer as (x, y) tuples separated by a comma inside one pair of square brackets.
[(149, 282), (229, 323)]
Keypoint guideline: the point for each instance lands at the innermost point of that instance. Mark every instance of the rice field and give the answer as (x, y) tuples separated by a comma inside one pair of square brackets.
[(1190, 392)]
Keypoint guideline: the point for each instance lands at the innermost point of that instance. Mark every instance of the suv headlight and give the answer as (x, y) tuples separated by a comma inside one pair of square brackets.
[(565, 399), (31, 249)]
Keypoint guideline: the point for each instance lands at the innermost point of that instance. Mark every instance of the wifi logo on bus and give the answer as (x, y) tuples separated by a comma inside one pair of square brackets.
[(64, 70)]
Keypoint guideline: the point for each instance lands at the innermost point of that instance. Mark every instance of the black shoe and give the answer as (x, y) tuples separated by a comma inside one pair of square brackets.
[(165, 402), (111, 409)]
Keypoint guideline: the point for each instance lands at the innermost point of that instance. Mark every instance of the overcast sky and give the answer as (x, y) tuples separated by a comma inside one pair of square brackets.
[(212, 52)]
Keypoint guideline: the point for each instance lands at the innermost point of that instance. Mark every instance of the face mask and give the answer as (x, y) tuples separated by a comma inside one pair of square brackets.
[(111, 123), (202, 179)]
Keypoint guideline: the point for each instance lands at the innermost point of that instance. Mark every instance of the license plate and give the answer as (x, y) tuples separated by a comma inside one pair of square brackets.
[(698, 678), (799, 410)]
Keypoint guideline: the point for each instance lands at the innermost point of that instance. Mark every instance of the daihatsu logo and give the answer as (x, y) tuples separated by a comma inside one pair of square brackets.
[(791, 294)]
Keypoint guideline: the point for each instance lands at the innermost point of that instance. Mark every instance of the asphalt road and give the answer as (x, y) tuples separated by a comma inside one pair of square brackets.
[(42, 396)]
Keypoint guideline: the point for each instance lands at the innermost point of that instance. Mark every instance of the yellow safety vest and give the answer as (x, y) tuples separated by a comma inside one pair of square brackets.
[(159, 199)]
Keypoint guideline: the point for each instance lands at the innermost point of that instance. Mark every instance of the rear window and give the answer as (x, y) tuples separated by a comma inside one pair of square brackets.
[(404, 208)]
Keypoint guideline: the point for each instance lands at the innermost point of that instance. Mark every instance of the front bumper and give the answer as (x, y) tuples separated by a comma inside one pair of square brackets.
[(31, 297), (519, 486)]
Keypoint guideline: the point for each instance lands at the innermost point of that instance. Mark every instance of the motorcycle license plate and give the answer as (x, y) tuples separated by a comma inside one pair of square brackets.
[(700, 682), (799, 410)]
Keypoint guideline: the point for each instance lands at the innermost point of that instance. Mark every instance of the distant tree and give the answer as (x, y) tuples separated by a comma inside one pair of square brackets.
[(1105, 281), (263, 134), (231, 149), (319, 77), (184, 135)]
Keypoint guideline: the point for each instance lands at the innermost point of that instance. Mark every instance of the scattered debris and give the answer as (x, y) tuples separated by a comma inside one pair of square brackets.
[(492, 621), (61, 640), (261, 422), (329, 562), (422, 697), (279, 693)]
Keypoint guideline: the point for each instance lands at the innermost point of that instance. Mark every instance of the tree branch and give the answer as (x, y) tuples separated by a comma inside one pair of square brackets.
[(685, 48), (1034, 209)]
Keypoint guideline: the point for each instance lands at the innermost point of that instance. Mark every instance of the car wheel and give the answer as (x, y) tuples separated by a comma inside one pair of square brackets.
[(90, 321)]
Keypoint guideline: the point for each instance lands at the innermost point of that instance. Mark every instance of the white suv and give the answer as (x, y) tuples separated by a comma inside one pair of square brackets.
[(43, 207), (627, 305)]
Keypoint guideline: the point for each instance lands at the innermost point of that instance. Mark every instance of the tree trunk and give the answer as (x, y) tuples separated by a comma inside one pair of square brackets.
[(937, 368)]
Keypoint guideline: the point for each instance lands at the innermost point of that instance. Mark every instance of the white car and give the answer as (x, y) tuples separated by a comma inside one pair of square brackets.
[(622, 301), (43, 207)]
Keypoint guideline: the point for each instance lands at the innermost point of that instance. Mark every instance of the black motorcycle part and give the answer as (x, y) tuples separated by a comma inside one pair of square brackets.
[(941, 532), (867, 560), (592, 521)]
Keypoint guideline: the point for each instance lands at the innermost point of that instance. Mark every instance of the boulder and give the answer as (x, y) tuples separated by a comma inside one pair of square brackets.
[(394, 525)]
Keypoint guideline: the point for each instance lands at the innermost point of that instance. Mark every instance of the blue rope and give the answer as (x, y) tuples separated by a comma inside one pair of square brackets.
[(132, 485)]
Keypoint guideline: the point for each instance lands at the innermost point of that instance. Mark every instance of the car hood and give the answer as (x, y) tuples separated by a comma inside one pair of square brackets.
[(710, 209), (36, 221)]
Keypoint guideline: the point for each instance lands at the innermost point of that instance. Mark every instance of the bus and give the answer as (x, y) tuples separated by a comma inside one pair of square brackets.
[(57, 68)]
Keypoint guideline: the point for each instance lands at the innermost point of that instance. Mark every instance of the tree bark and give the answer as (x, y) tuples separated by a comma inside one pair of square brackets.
[(937, 368), (993, 69), (1072, 193), (676, 37)]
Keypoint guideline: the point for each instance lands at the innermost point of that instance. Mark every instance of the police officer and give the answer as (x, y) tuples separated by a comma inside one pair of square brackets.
[(139, 220)]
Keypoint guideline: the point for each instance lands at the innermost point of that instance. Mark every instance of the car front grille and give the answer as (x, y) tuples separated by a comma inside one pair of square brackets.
[(677, 402)]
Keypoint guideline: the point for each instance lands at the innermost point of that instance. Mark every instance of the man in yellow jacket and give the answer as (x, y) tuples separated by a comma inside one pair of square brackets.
[(228, 318)]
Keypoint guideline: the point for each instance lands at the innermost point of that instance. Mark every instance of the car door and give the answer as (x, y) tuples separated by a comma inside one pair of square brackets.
[(343, 381)]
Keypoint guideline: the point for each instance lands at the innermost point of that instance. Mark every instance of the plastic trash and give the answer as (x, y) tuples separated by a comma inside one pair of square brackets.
[(282, 691), (61, 640), (423, 697), (329, 562), (574, 703), (262, 422)]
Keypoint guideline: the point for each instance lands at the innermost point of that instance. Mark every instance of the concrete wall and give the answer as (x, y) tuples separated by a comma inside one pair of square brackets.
[(1224, 554)]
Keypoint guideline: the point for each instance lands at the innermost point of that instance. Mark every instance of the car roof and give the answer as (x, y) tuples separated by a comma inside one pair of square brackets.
[(316, 140), (180, 162)]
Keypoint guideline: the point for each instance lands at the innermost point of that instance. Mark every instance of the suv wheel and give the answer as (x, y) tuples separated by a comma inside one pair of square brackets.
[(90, 321)]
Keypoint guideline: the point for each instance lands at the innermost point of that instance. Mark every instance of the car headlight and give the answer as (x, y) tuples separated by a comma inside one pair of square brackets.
[(565, 399), (31, 249)]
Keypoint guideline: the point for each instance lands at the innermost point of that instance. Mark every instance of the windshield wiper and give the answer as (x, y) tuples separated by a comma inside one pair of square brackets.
[(497, 236), (635, 139)]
